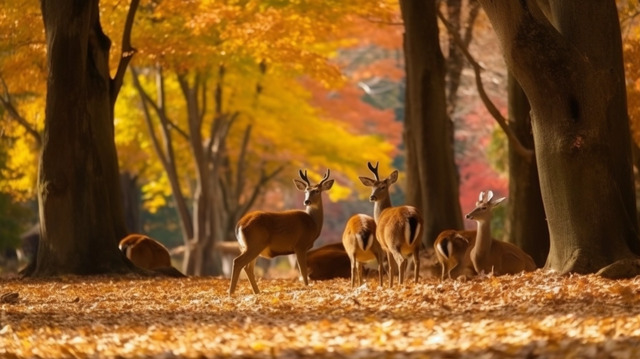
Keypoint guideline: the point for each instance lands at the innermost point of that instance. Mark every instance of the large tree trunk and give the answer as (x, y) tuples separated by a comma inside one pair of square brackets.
[(573, 77), (81, 212), (527, 222), (432, 183)]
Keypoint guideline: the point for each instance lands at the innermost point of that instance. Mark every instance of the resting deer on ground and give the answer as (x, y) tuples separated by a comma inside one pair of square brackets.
[(453, 249), (148, 253), (399, 229), (489, 255), (328, 262), (361, 245), (271, 234)]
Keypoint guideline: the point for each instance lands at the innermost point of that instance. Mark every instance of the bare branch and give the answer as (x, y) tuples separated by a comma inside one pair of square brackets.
[(5, 100), (126, 54), (526, 153)]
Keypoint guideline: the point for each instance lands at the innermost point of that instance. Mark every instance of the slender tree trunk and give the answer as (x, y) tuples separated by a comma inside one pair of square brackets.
[(432, 183), (131, 197), (572, 74), (81, 212), (527, 223)]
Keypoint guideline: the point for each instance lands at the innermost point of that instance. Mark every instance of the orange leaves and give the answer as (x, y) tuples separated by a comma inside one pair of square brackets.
[(533, 314)]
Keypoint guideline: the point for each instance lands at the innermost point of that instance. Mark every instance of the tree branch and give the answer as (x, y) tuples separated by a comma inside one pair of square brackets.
[(526, 153), (13, 112), (126, 54)]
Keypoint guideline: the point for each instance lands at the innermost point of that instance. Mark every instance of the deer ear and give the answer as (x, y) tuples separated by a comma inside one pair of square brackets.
[(327, 185), (367, 181), (498, 201), (393, 177), (299, 184)]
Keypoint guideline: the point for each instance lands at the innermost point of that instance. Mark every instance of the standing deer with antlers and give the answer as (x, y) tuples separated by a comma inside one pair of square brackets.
[(399, 229), (271, 234)]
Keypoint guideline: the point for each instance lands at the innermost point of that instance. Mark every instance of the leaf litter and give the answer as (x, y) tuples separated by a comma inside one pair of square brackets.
[(538, 314)]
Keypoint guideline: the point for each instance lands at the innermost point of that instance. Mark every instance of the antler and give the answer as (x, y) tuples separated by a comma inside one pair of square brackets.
[(374, 169), (304, 177), (326, 176)]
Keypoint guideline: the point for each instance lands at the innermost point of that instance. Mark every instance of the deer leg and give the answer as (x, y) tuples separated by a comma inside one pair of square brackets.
[(301, 255), (401, 263), (241, 262), (251, 274), (380, 269), (416, 262), (392, 268), (360, 273), (354, 271)]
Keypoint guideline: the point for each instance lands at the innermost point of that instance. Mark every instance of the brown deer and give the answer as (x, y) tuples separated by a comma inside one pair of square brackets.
[(271, 234), (399, 229), (361, 245), (328, 262), (489, 255), (148, 253), (452, 250)]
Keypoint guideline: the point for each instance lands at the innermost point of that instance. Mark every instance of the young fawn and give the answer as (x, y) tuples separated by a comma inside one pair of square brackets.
[(271, 234), (360, 243), (399, 229)]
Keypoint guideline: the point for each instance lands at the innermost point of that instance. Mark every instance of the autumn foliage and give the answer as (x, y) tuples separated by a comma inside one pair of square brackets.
[(537, 314)]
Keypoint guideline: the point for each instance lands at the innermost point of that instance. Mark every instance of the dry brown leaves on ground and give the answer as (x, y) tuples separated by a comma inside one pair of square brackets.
[(530, 315)]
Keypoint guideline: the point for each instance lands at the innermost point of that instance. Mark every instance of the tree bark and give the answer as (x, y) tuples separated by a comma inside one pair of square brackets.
[(573, 77), (432, 182), (81, 212), (527, 222)]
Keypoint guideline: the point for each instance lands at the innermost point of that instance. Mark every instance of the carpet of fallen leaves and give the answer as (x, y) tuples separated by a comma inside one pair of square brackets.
[(536, 314)]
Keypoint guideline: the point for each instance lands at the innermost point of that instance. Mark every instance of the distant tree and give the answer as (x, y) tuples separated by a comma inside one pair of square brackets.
[(572, 74), (432, 183)]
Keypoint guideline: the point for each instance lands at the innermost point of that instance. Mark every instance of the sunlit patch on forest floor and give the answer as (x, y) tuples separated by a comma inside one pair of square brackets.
[(528, 315)]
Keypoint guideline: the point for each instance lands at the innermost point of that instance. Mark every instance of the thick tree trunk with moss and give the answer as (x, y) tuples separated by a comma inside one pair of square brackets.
[(527, 221), (81, 211), (432, 182), (572, 74)]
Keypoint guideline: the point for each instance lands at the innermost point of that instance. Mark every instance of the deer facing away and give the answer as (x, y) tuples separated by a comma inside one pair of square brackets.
[(452, 250), (360, 243), (399, 229), (271, 234)]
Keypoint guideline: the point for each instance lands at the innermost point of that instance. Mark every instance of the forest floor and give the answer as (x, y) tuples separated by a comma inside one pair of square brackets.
[(537, 314)]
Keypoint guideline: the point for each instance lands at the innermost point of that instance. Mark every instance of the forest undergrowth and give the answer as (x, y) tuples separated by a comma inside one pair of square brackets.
[(538, 314)]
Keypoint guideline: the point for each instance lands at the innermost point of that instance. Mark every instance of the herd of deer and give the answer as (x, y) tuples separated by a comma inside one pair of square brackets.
[(394, 231)]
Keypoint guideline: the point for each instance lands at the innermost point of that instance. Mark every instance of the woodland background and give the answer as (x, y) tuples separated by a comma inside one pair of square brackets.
[(283, 86)]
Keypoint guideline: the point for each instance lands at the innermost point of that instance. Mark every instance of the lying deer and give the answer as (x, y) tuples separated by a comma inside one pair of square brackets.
[(361, 245), (328, 262), (489, 255), (148, 253), (271, 234), (399, 229)]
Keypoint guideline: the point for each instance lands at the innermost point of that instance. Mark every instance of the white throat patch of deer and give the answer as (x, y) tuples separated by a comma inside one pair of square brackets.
[(271, 234), (399, 229)]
